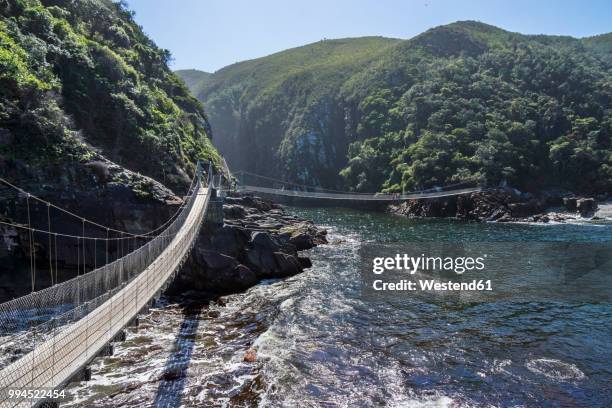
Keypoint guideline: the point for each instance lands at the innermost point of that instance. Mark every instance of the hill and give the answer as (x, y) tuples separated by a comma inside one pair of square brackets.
[(461, 101), (80, 82)]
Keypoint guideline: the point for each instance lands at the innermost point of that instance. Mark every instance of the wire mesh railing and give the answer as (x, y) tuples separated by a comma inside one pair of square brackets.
[(90, 285)]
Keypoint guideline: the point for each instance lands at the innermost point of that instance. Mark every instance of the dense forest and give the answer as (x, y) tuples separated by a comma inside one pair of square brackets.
[(459, 102), (79, 79)]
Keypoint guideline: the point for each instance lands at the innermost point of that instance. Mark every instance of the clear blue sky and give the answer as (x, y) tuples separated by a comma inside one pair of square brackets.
[(210, 34)]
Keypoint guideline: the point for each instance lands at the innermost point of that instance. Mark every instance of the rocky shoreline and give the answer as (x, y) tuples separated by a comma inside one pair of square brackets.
[(258, 240), (503, 205)]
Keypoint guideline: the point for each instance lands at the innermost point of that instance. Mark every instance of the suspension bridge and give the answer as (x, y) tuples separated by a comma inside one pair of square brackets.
[(54, 332), (85, 313), (294, 193)]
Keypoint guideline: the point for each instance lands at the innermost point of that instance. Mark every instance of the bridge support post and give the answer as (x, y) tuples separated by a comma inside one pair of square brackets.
[(133, 323)]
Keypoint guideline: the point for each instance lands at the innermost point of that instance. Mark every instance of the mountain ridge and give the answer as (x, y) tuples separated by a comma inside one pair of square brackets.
[(374, 117)]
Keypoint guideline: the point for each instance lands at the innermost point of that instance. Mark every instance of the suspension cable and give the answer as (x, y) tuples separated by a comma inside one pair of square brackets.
[(146, 235), (30, 241), (25, 227), (49, 250), (82, 239), (83, 220), (78, 256), (56, 258), (107, 245), (95, 253)]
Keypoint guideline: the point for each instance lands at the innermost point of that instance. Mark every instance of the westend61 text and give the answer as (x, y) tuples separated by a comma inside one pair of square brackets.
[(432, 285)]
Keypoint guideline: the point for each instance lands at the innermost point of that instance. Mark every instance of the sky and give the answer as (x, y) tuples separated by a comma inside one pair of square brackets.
[(210, 34)]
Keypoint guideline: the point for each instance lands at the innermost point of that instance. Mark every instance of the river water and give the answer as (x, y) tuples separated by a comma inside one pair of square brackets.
[(320, 345)]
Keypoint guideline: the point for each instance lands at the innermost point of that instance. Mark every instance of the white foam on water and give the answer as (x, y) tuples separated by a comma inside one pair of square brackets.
[(604, 210), (427, 402), (555, 369), (499, 366)]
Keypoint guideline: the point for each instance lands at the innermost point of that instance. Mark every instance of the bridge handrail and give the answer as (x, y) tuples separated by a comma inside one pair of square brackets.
[(16, 315), (321, 190)]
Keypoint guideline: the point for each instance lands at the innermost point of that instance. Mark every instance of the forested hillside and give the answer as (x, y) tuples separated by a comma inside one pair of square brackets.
[(79, 80), (461, 101)]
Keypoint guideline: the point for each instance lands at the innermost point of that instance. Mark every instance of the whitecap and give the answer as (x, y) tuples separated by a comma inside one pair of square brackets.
[(555, 369), (431, 402)]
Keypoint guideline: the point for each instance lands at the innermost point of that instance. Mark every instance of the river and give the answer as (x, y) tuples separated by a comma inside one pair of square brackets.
[(319, 344)]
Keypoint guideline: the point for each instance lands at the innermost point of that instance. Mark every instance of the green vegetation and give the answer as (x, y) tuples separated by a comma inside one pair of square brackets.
[(458, 102), (80, 76)]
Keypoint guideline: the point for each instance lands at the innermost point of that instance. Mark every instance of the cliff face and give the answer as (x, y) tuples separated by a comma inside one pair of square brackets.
[(91, 119), (462, 101)]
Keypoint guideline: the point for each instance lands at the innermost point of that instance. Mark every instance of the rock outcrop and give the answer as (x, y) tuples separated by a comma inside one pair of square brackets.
[(586, 206), (258, 240), (501, 205)]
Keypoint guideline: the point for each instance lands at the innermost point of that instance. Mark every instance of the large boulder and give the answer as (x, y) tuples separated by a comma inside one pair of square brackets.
[(212, 271), (258, 241), (302, 241), (234, 211), (526, 209), (262, 261), (288, 265), (230, 240), (215, 260), (264, 240)]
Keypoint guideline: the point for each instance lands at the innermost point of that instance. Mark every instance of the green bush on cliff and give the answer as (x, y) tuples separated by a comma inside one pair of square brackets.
[(79, 73)]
